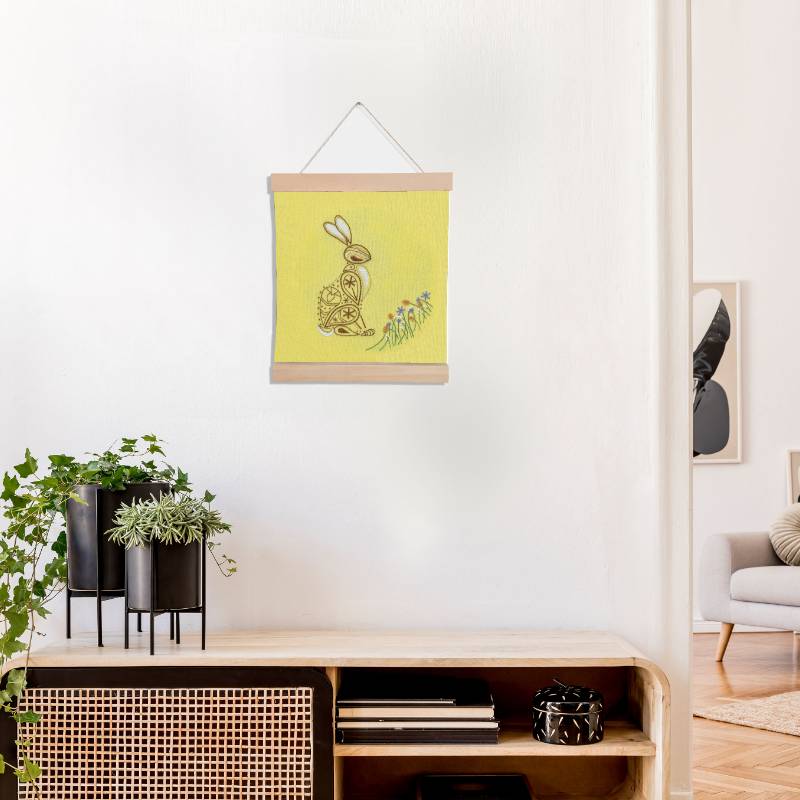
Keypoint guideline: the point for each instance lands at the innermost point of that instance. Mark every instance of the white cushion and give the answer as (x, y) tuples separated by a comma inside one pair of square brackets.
[(777, 585), (785, 536)]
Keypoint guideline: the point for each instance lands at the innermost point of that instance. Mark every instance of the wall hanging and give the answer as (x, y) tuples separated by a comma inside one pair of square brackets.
[(361, 275), (717, 373)]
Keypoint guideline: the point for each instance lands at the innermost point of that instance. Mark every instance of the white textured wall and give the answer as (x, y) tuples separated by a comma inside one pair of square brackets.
[(135, 247), (746, 60)]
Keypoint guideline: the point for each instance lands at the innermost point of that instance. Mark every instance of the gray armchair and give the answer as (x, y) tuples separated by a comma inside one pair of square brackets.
[(743, 582)]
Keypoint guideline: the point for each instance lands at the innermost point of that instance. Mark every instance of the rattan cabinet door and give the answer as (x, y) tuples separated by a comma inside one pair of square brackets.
[(177, 734)]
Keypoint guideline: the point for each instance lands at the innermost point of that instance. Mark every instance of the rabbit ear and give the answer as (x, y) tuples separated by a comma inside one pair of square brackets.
[(335, 232), (344, 228)]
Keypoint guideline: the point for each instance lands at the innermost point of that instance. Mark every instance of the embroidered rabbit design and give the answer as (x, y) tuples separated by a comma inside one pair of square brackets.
[(339, 303)]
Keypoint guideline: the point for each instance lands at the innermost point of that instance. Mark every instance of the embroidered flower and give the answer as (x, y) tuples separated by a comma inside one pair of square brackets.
[(404, 322)]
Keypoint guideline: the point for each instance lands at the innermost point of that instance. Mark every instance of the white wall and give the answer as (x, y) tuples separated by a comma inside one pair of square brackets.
[(746, 126), (136, 252)]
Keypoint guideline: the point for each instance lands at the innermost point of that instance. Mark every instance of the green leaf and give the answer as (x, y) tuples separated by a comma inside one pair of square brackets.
[(60, 460), (15, 684), (208, 497), (181, 481), (29, 772), (2, 764), (28, 467), (17, 620), (10, 486), (150, 437), (28, 716), (10, 645), (59, 546)]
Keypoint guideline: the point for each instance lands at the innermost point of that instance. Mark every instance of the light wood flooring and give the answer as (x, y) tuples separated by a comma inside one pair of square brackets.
[(732, 762)]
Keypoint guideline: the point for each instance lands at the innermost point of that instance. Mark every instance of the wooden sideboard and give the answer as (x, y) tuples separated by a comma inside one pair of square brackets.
[(631, 762)]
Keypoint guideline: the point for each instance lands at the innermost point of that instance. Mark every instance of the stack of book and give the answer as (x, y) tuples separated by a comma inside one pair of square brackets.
[(424, 710)]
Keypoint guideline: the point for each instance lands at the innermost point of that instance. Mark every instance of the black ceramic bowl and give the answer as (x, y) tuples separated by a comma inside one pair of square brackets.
[(571, 715)]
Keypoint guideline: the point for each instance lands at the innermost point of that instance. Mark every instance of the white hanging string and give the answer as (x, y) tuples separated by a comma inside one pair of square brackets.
[(377, 122)]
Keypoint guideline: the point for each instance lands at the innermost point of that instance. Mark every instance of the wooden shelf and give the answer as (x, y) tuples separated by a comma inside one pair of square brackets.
[(621, 739), (631, 763)]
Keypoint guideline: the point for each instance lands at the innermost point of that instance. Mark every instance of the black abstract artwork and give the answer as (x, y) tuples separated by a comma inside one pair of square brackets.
[(712, 418)]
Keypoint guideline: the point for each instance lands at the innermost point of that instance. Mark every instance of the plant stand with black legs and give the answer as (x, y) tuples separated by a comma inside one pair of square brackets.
[(103, 551), (100, 596), (162, 579), (95, 566)]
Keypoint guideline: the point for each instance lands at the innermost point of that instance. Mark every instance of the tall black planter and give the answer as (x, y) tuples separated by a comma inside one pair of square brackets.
[(96, 566), (166, 578)]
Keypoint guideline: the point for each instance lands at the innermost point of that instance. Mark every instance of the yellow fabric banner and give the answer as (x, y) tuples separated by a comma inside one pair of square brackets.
[(361, 276)]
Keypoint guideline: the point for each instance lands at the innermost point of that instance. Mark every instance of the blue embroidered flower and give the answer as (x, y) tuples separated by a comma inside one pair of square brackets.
[(426, 295), (400, 311)]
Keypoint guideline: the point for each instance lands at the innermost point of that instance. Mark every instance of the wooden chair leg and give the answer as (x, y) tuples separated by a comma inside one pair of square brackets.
[(724, 638)]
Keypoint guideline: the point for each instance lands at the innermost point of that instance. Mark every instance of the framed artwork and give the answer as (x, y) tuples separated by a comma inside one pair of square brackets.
[(716, 369), (793, 476), (361, 277)]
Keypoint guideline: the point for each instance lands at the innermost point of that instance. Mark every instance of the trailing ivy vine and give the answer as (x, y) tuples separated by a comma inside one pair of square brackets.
[(32, 572)]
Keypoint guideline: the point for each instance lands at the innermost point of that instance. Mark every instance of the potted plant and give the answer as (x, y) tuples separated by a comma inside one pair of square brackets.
[(102, 485), (35, 503), (176, 526)]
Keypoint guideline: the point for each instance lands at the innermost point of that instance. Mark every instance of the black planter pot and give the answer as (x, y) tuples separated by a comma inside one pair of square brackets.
[(167, 573), (86, 528)]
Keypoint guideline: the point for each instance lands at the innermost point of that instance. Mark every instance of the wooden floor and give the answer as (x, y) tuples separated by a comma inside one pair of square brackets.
[(732, 762)]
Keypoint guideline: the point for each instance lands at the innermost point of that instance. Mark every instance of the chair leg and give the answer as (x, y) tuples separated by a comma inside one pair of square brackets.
[(724, 638)]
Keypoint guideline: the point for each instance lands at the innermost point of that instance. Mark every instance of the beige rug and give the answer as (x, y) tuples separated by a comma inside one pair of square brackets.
[(778, 712)]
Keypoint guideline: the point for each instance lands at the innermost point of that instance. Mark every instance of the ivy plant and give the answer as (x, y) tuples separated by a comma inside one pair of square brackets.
[(33, 548), (132, 461)]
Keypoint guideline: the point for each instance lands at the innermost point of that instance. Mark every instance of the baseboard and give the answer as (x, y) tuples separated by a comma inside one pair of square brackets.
[(706, 626), (680, 795)]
